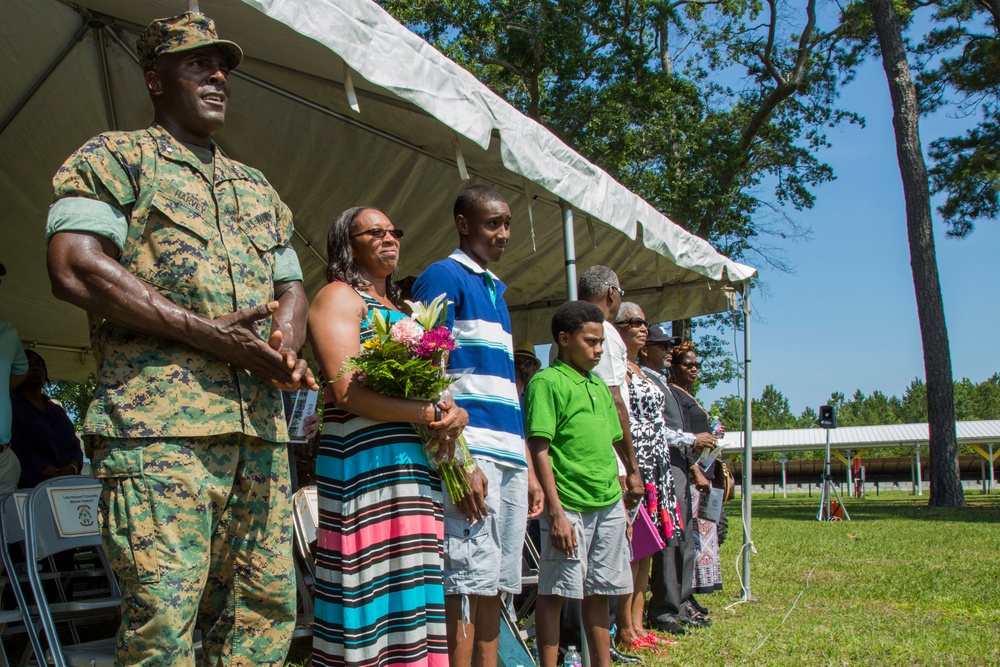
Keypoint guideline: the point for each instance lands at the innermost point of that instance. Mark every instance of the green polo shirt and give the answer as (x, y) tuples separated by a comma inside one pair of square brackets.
[(577, 415)]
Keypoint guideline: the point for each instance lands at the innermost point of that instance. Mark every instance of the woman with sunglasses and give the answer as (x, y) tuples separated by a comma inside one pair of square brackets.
[(379, 594), (707, 569), (526, 364), (649, 438)]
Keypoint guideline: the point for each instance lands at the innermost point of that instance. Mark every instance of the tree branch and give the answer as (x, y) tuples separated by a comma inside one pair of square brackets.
[(766, 58), (993, 7)]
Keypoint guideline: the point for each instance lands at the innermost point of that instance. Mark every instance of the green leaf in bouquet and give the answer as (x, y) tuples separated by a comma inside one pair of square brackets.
[(380, 325)]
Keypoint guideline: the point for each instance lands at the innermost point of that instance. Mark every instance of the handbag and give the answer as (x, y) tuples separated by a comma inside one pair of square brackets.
[(724, 480), (646, 539)]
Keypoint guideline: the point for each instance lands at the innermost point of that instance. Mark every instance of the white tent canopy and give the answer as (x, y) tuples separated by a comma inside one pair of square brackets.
[(338, 104)]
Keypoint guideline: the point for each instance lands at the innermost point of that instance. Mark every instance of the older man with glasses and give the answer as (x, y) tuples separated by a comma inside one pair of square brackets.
[(599, 286)]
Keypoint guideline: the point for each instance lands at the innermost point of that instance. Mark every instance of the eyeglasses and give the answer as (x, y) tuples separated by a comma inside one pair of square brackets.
[(621, 292), (379, 233), (690, 364), (634, 322)]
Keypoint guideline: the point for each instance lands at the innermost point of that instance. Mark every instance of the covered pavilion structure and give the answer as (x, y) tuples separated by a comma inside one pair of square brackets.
[(850, 442)]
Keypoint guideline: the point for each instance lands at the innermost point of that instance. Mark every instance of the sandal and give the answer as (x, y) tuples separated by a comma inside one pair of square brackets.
[(644, 644), (660, 640)]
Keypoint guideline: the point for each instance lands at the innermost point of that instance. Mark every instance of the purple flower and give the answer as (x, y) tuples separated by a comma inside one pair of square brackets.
[(434, 341)]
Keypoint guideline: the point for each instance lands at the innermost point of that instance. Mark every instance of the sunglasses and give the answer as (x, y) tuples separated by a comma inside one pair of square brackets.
[(621, 292), (634, 322), (379, 233)]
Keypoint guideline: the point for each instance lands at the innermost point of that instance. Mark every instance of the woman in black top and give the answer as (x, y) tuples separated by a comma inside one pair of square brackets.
[(683, 376)]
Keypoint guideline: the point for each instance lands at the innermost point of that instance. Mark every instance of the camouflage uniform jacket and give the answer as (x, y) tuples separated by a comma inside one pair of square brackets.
[(206, 243)]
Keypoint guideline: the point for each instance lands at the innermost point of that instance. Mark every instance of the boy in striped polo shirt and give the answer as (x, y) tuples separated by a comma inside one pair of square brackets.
[(484, 533)]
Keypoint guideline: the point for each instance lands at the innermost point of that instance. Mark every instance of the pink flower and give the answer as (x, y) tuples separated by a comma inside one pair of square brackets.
[(434, 341), (407, 333)]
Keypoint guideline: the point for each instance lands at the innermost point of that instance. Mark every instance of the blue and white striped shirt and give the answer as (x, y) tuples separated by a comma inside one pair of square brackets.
[(484, 345)]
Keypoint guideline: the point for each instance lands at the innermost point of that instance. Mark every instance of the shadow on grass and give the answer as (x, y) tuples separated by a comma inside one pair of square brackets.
[(981, 509)]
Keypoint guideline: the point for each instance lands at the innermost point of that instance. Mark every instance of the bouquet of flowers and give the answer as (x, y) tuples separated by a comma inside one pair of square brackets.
[(408, 359)]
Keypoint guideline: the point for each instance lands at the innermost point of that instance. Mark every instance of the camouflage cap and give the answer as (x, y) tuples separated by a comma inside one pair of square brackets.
[(183, 32)]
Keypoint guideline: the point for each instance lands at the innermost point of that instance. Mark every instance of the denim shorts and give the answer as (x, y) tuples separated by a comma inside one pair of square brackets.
[(600, 565), (485, 558)]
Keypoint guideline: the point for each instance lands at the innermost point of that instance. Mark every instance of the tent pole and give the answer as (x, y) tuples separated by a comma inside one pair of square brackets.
[(108, 100), (992, 476), (747, 444), (569, 249), (920, 481), (79, 35), (850, 472)]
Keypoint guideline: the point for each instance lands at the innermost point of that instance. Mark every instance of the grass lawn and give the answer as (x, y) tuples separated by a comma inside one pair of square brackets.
[(901, 584)]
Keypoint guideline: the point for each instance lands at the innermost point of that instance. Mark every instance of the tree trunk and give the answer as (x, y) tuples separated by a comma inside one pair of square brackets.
[(946, 487), (681, 328), (666, 62)]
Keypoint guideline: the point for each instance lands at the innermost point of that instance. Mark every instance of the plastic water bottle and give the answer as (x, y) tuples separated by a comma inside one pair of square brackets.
[(572, 658), (718, 430)]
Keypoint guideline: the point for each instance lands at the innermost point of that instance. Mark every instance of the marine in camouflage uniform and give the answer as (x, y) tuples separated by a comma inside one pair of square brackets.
[(195, 511)]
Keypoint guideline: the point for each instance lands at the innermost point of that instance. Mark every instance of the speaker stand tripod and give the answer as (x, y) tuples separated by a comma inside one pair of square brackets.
[(829, 490)]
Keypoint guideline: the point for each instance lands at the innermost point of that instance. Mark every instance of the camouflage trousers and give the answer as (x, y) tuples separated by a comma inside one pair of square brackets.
[(199, 532)]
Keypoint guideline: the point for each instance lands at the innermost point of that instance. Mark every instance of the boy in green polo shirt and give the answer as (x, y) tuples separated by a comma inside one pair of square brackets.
[(571, 424)]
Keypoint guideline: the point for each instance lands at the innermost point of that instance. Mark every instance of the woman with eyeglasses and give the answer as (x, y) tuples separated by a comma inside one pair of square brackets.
[(683, 378), (649, 439), (379, 593)]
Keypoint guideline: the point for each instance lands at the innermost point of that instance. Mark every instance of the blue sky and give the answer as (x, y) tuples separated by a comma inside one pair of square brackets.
[(846, 318)]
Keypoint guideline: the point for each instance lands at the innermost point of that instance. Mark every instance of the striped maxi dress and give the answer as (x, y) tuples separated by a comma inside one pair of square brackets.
[(379, 594)]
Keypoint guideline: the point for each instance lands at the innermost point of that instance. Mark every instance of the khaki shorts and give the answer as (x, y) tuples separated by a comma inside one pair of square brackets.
[(600, 565), (485, 558)]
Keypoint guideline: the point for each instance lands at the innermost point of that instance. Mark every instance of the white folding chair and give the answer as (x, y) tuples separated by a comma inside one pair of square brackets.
[(305, 517), (60, 516), (9, 617), (12, 533)]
